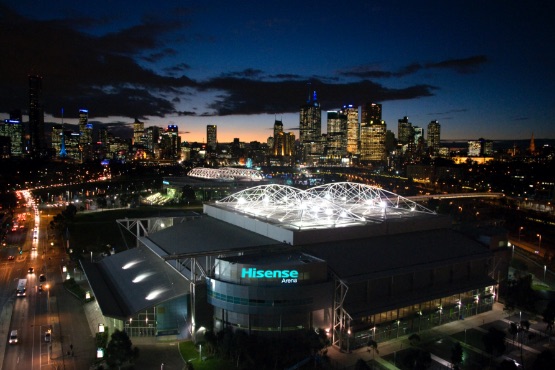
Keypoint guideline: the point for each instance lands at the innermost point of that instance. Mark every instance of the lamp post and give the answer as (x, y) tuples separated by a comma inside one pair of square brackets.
[(544, 271), (539, 243), (398, 325), (520, 232)]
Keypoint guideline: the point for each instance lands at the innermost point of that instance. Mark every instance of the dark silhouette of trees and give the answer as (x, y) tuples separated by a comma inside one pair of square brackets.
[(120, 350), (456, 355)]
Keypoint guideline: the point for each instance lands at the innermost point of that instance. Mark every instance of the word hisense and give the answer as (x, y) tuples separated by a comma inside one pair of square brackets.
[(287, 276)]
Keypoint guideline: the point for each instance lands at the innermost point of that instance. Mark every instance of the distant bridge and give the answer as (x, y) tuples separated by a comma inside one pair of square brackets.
[(455, 196)]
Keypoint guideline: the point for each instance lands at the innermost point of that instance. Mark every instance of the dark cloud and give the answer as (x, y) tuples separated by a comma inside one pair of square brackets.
[(101, 73), (80, 70), (464, 66), (247, 73), (245, 96)]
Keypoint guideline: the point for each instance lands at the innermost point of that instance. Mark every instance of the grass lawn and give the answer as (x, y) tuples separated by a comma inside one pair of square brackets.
[(189, 352)]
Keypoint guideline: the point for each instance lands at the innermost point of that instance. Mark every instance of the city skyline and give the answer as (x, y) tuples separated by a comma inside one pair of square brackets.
[(480, 69)]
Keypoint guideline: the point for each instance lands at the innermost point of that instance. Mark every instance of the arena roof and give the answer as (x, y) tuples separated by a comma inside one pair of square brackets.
[(226, 174), (131, 281), (325, 206)]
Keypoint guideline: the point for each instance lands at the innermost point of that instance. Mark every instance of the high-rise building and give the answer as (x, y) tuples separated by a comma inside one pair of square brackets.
[(85, 135), (353, 128), (310, 125), (12, 129), (310, 130), (405, 131), (37, 145), (371, 112), (434, 135), (279, 138), (212, 137), (170, 143), (480, 148), (138, 132), (336, 147), (372, 141)]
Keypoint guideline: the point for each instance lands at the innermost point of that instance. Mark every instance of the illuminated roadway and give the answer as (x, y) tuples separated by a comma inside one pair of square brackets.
[(28, 314)]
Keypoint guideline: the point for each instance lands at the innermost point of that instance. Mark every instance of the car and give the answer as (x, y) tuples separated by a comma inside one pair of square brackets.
[(48, 336), (40, 288), (31, 270), (42, 277), (11, 258), (13, 337)]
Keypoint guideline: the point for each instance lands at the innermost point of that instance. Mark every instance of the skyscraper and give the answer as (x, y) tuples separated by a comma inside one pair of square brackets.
[(405, 131), (371, 112), (336, 147), (353, 128), (12, 129), (310, 129), (279, 138), (434, 136), (372, 141), (138, 131), (36, 117), (212, 136), (85, 135)]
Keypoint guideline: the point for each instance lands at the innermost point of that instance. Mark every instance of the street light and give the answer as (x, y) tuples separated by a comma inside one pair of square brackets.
[(544, 270), (520, 232), (539, 243)]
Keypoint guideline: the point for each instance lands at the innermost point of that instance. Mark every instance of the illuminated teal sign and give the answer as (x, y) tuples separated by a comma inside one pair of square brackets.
[(287, 276)]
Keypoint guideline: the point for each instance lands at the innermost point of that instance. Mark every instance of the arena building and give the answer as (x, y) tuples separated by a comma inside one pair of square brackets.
[(351, 259)]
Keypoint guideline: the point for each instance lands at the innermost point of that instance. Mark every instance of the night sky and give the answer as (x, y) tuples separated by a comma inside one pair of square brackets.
[(484, 69)]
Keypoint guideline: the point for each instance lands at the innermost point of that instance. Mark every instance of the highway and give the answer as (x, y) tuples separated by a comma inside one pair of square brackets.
[(29, 314)]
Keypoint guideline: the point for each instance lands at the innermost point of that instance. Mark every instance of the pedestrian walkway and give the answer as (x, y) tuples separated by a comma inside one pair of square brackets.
[(347, 360)]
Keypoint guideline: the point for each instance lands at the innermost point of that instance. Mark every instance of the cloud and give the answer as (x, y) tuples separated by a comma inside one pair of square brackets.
[(463, 66), (107, 75)]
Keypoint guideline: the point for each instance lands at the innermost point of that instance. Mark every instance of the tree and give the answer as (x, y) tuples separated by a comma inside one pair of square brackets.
[(513, 330), (120, 350), (456, 354)]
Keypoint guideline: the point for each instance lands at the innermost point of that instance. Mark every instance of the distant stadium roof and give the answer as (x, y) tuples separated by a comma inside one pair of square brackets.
[(225, 174), (336, 204)]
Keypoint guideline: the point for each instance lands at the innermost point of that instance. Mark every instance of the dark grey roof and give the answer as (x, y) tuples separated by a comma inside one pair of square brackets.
[(134, 280), (207, 235), (361, 259)]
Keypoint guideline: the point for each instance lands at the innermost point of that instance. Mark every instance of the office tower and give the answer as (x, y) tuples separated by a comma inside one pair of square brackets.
[(36, 117), (310, 130), (371, 112), (480, 148), (151, 137), (56, 138), (12, 130), (405, 131), (310, 125), (419, 142), (279, 139), (336, 147), (85, 135), (138, 132), (372, 141), (170, 143), (212, 137), (434, 135), (353, 128)]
